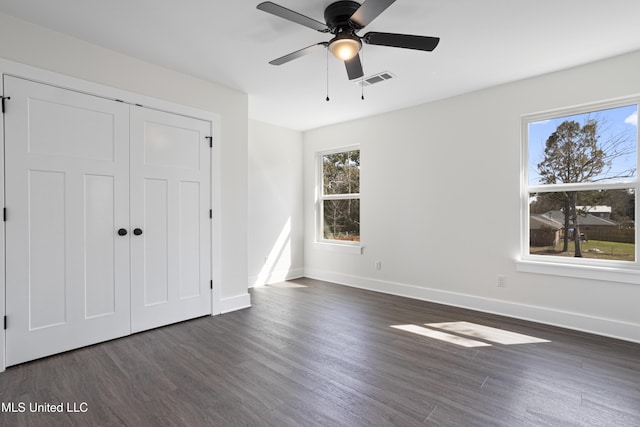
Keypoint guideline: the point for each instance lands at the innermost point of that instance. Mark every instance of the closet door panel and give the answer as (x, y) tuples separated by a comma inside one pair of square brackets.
[(99, 244), (189, 239), (67, 191), (170, 194), (46, 275), (155, 242)]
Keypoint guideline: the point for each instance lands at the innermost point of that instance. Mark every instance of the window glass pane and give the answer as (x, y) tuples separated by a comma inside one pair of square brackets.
[(341, 173), (592, 147), (341, 220), (604, 220)]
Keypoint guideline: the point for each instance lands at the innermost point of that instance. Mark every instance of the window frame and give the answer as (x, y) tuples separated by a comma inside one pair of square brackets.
[(586, 268), (331, 244)]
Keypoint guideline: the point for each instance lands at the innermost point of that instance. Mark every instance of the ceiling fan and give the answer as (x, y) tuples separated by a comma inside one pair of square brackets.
[(344, 19)]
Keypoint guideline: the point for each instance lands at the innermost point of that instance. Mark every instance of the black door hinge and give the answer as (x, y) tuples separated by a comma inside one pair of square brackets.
[(210, 138), (3, 98), (5, 322), (210, 213), (4, 214), (210, 287)]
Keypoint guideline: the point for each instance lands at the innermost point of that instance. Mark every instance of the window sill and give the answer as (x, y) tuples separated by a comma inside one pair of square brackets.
[(337, 247), (609, 274)]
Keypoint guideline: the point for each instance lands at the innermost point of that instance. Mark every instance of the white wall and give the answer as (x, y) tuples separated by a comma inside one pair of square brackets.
[(36, 46), (275, 228), (440, 203)]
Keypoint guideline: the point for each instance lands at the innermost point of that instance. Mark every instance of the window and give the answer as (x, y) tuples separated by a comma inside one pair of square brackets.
[(339, 201), (580, 184)]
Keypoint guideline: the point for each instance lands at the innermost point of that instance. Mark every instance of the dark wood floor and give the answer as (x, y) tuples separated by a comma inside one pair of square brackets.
[(324, 354)]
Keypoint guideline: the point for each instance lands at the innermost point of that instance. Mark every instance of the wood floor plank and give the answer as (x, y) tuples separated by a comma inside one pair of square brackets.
[(319, 354)]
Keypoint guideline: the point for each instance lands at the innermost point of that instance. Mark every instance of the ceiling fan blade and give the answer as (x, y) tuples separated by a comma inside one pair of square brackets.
[(405, 41), (297, 54), (290, 15), (369, 10), (354, 68)]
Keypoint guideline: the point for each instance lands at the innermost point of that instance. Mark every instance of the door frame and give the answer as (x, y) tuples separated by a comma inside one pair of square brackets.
[(72, 83)]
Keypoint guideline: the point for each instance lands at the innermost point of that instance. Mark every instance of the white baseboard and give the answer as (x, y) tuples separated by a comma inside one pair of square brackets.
[(575, 321), (275, 277), (2, 353), (235, 303)]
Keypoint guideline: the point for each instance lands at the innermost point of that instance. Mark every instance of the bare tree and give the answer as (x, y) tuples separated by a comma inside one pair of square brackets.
[(575, 153)]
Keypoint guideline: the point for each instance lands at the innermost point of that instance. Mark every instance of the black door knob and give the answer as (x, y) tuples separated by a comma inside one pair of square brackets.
[(122, 232), (137, 231)]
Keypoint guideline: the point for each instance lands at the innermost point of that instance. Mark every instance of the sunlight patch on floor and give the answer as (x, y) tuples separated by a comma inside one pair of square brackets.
[(487, 333), (463, 332), (442, 336)]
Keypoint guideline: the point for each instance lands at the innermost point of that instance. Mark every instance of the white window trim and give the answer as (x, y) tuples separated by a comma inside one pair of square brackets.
[(320, 242), (613, 271)]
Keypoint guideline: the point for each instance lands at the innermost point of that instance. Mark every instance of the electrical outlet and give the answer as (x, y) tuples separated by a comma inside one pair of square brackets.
[(378, 265), (501, 281)]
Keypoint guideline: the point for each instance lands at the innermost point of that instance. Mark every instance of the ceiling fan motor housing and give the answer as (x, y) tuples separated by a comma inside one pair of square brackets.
[(338, 16)]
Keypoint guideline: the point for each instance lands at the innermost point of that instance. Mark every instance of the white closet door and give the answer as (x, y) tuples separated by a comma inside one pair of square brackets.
[(170, 202), (67, 194)]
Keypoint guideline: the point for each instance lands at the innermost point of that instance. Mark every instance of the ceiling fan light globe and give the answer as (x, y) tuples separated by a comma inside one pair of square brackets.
[(345, 48)]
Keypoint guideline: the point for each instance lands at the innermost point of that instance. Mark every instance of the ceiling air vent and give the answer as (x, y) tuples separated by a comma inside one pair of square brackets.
[(374, 79)]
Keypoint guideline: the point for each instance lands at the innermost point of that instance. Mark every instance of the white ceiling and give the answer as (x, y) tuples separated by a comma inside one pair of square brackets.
[(483, 43)]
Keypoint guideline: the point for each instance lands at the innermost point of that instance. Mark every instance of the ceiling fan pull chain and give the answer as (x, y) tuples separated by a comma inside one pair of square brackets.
[(362, 78), (327, 75)]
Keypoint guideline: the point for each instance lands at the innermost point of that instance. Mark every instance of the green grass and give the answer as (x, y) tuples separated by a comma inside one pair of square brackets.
[(608, 250)]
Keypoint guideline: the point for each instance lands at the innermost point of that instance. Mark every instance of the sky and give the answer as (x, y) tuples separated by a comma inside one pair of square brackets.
[(620, 120)]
